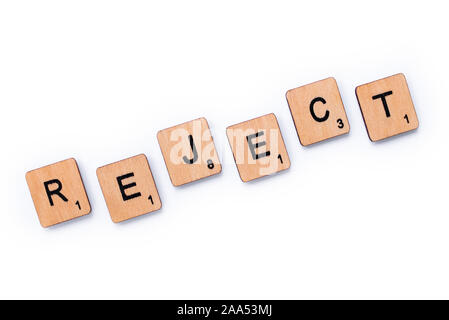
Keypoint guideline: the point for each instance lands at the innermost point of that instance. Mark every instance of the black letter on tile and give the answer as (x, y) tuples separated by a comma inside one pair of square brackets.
[(195, 153), (384, 101), (253, 147), (57, 191), (127, 186), (314, 116)]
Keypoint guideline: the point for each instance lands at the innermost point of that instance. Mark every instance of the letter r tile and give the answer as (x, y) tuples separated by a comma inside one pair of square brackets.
[(317, 111), (258, 147), (58, 192), (129, 188), (189, 152), (387, 107)]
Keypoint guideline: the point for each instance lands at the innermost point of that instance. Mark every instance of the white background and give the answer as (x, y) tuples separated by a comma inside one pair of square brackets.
[(95, 80)]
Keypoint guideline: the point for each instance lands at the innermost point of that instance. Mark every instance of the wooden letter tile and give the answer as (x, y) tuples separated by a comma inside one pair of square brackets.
[(317, 111), (387, 107), (189, 152), (128, 188), (58, 192), (258, 147)]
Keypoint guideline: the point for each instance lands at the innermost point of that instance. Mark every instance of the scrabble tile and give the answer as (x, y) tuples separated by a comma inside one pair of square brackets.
[(189, 152), (387, 107), (128, 188), (258, 147), (317, 111), (58, 192)]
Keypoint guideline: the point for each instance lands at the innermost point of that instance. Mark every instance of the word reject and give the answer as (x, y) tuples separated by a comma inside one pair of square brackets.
[(189, 151)]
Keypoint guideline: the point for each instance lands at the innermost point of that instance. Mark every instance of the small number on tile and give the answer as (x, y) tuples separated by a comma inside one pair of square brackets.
[(210, 164), (406, 118), (78, 204), (341, 125), (280, 159)]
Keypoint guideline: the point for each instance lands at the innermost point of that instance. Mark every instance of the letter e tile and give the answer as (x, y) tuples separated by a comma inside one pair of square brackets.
[(129, 188), (58, 192), (387, 107), (258, 147)]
